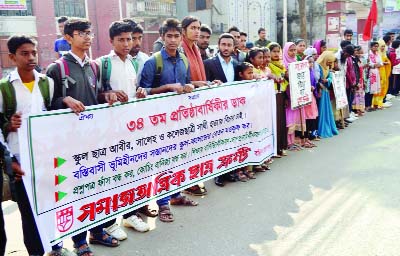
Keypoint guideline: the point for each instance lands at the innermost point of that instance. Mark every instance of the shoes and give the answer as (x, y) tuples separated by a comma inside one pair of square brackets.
[(116, 231), (196, 191), (136, 223), (231, 176), (350, 119), (389, 96), (352, 114), (219, 181), (387, 104), (61, 252)]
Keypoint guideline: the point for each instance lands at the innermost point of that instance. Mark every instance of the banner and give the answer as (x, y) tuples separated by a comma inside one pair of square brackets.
[(339, 88), (300, 84), (84, 170), (392, 5), (12, 4)]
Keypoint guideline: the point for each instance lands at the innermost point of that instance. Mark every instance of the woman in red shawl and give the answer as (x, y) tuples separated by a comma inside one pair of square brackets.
[(191, 33)]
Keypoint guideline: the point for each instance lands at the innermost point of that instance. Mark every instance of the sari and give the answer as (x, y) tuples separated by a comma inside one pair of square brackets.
[(384, 74), (326, 123)]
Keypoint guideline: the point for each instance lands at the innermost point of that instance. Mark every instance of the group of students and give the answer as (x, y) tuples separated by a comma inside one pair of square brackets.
[(75, 81)]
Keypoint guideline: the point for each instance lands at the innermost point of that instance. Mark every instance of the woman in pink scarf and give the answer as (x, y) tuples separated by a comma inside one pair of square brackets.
[(293, 121), (320, 45)]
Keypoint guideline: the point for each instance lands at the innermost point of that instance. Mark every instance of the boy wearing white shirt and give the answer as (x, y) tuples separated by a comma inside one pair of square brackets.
[(118, 73), (118, 70), (25, 91)]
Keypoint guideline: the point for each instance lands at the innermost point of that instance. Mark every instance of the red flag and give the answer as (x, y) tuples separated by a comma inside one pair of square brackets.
[(371, 21)]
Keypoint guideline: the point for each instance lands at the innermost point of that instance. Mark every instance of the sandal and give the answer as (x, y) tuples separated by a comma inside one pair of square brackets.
[(259, 168), (104, 239), (265, 166), (293, 148), (165, 214), (146, 211), (85, 251), (241, 175), (183, 200), (251, 175)]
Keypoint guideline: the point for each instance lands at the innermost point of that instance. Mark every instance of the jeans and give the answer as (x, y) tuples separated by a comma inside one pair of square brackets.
[(3, 238), (32, 239), (165, 200), (350, 98)]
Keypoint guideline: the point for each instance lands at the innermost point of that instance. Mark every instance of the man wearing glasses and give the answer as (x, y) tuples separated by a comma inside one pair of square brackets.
[(80, 90)]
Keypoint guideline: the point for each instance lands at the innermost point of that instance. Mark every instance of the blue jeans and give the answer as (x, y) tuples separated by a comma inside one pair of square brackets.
[(80, 239), (165, 200)]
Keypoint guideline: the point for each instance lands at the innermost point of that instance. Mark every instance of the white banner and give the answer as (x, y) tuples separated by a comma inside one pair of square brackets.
[(339, 88), (300, 84), (12, 4), (87, 169)]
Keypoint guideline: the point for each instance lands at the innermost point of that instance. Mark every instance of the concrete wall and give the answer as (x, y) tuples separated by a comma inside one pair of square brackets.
[(101, 14), (46, 30), (17, 25), (203, 15)]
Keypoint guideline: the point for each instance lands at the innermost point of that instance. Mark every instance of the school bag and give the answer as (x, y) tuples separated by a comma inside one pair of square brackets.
[(159, 66), (10, 102), (65, 74), (106, 71), (9, 109)]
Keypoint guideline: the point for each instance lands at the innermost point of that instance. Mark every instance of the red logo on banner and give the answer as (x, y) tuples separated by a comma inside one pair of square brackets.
[(65, 219)]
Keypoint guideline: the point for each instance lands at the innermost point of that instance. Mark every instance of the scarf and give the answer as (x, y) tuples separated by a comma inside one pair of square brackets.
[(278, 69), (323, 60), (317, 46), (382, 53), (197, 71), (286, 58)]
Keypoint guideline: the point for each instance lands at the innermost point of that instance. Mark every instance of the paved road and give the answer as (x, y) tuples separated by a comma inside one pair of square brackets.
[(341, 198)]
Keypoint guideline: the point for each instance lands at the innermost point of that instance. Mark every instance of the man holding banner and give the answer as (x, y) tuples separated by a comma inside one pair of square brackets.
[(168, 81)]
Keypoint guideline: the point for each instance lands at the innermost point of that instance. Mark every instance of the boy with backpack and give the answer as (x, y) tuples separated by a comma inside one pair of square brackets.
[(75, 78), (118, 73), (23, 91), (168, 71)]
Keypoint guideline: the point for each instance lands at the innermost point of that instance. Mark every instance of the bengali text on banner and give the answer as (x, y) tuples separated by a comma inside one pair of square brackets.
[(84, 170)]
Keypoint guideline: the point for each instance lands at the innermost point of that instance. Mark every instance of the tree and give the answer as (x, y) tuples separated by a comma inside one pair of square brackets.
[(303, 19)]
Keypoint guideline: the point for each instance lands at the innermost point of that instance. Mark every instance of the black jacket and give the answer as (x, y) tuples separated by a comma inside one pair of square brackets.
[(214, 69), (81, 88)]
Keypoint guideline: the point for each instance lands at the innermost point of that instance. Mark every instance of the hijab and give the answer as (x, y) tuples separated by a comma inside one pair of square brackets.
[(317, 46), (286, 58), (323, 60)]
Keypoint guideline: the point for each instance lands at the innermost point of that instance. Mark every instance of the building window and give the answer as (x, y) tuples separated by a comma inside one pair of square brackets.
[(201, 5), (27, 12), (70, 8)]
